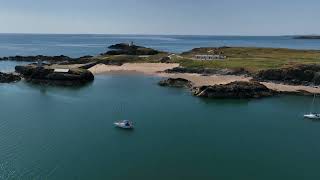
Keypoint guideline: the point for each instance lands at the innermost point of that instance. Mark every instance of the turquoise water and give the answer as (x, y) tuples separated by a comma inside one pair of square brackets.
[(67, 133), (76, 45), (63, 133), (8, 66)]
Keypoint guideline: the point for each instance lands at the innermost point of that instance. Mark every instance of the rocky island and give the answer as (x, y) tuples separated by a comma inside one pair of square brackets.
[(130, 49), (51, 76)]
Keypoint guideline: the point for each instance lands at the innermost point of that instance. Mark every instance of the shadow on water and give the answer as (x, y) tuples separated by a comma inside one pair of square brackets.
[(225, 101), (44, 87)]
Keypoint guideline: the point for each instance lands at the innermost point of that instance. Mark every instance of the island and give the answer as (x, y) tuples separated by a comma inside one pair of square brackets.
[(55, 76), (261, 72)]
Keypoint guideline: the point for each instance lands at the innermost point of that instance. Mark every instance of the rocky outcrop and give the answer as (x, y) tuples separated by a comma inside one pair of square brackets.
[(52, 59), (296, 75), (126, 49), (208, 71), (176, 82), (9, 78), (165, 59), (36, 58), (238, 89), (41, 75)]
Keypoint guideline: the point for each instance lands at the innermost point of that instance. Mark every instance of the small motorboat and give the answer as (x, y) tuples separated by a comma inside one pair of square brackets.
[(125, 124), (312, 116)]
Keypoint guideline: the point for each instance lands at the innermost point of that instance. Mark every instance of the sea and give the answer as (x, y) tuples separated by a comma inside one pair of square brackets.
[(67, 133)]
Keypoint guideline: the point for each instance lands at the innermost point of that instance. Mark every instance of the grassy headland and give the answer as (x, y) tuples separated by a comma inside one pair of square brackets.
[(250, 58)]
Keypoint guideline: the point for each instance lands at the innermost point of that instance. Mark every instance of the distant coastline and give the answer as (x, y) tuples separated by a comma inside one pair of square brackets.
[(311, 37)]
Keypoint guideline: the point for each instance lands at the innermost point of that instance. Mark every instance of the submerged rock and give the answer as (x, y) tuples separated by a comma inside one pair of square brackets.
[(237, 89), (41, 75), (176, 82), (8, 78)]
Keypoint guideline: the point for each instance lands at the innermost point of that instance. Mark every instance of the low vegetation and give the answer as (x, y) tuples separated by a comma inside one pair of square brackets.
[(252, 59)]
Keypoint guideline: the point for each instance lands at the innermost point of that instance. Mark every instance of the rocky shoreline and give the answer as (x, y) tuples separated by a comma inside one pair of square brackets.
[(230, 82), (9, 77), (62, 59), (234, 90), (307, 75), (209, 71)]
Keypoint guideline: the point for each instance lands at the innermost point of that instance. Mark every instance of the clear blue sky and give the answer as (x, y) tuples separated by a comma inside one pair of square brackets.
[(209, 17)]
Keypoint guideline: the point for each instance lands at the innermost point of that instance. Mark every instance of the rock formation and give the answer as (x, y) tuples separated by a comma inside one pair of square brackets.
[(127, 49), (8, 78), (176, 82), (208, 71), (238, 89), (297, 75), (41, 75)]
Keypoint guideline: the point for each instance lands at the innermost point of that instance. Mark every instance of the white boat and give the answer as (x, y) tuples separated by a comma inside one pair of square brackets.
[(312, 116), (125, 124)]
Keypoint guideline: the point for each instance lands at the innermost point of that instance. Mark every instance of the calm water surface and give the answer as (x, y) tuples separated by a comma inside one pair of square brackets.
[(67, 133), (63, 133), (76, 45)]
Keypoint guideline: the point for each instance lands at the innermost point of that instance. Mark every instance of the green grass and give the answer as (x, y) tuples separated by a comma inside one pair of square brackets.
[(131, 58), (252, 59)]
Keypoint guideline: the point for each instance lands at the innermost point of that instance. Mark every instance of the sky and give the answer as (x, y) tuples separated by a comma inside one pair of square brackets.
[(177, 17)]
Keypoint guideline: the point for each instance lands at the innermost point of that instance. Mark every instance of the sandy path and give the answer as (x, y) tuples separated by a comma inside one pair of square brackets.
[(198, 80), (147, 68)]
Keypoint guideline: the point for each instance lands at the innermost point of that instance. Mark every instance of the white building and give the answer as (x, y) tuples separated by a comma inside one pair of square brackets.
[(209, 57)]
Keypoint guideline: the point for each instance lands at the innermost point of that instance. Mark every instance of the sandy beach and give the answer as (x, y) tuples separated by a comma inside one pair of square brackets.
[(198, 80)]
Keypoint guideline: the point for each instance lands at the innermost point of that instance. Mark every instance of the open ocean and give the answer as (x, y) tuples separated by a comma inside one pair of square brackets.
[(67, 133), (80, 45)]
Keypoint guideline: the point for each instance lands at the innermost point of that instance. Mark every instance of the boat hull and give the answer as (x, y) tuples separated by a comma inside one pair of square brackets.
[(122, 125), (312, 116)]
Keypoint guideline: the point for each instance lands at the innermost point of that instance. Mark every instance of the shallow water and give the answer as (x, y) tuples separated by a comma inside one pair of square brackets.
[(63, 133)]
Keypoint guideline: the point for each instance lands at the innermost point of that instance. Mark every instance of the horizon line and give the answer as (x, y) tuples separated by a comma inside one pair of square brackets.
[(147, 34)]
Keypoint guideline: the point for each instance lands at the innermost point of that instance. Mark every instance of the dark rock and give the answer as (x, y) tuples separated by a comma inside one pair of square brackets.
[(311, 37), (51, 59), (208, 71), (297, 75), (176, 82), (165, 59), (43, 75), (238, 89), (8, 78), (123, 46), (126, 49)]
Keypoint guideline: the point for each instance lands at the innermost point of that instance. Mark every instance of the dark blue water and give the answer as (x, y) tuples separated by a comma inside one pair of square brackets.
[(79, 45)]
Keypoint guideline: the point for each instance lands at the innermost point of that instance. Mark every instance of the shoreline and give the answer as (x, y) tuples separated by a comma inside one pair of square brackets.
[(156, 69)]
